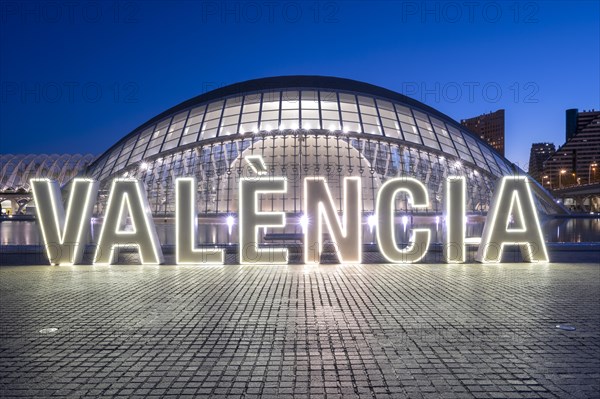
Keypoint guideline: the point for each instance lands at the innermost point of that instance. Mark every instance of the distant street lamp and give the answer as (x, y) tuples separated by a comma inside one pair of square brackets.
[(562, 172), (546, 180), (592, 167)]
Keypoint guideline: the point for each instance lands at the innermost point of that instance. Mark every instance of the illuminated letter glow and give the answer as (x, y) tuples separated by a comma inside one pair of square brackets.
[(186, 220), (514, 193), (319, 207), (385, 213), (251, 220), (64, 235), (454, 247), (128, 194)]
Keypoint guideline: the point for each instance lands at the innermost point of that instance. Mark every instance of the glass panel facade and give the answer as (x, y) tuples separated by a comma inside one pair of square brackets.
[(443, 136), (459, 143), (474, 149), (309, 106), (175, 131), (110, 163), (489, 158), (231, 116), (250, 114), (125, 153), (140, 145), (389, 119), (330, 110), (211, 120), (369, 115), (302, 132), (408, 124), (429, 138), (290, 110), (158, 137), (269, 116), (350, 119), (192, 127), (504, 167)]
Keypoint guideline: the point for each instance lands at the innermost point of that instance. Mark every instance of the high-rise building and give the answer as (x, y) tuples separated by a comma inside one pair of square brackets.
[(578, 160), (489, 127), (539, 153)]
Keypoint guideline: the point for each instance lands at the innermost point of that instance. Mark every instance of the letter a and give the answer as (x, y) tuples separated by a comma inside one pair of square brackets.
[(128, 194), (512, 197)]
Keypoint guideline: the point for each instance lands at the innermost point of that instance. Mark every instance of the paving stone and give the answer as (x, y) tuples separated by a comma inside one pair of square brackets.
[(377, 330)]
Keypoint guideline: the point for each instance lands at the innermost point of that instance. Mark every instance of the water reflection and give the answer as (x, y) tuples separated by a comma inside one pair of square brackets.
[(572, 230), (19, 233), (555, 230)]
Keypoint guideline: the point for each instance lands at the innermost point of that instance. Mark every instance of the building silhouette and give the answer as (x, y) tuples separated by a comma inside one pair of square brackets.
[(539, 153), (489, 127), (577, 161)]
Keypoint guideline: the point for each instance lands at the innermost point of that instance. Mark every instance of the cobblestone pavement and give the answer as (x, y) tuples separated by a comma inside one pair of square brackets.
[(440, 331)]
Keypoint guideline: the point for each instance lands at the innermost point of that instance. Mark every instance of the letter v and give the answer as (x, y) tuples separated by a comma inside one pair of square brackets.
[(64, 235)]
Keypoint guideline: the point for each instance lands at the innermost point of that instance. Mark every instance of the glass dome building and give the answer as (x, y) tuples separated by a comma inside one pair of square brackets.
[(16, 170), (302, 126)]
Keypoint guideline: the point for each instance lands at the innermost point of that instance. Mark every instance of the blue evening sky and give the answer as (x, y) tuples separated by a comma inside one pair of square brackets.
[(76, 77)]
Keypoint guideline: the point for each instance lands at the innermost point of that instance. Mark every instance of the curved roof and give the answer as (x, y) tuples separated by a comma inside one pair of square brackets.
[(289, 105), (295, 81), (362, 108), (16, 170)]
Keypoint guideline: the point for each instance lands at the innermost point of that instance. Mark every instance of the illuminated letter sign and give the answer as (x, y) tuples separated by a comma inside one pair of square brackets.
[(385, 212), (454, 246), (512, 198), (129, 195), (318, 205), (64, 235), (513, 221), (186, 220), (251, 220)]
